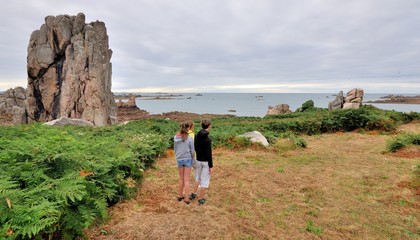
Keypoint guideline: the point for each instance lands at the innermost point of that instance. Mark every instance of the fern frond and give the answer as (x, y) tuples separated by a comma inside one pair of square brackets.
[(70, 187), (28, 222)]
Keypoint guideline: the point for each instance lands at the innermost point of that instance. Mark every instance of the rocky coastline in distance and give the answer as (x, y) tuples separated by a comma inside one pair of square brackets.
[(391, 99), (134, 113), (152, 96), (398, 99)]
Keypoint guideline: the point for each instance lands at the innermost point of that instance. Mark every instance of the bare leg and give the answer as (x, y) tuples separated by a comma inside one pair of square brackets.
[(202, 193), (181, 181), (195, 187), (187, 173)]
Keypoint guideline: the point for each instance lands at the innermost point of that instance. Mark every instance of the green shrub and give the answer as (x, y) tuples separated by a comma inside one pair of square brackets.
[(402, 141), (240, 142), (307, 106), (289, 141), (284, 144), (298, 141), (309, 123)]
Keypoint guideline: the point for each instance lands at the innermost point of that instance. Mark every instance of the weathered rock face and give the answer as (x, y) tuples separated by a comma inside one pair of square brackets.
[(337, 103), (69, 71), (278, 109), (355, 95), (14, 103), (19, 115)]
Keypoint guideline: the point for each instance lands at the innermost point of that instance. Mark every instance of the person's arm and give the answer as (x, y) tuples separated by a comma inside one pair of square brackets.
[(192, 149), (175, 147), (209, 153)]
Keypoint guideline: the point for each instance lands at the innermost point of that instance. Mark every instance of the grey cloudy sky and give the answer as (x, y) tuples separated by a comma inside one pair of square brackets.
[(237, 45)]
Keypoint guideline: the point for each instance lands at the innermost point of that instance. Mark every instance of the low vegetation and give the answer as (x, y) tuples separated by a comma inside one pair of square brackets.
[(58, 181), (340, 186), (310, 123), (402, 141)]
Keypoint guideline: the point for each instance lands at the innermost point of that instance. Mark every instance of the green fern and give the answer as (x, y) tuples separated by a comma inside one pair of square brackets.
[(63, 180)]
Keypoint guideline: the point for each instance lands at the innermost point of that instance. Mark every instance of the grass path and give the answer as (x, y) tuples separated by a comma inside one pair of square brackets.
[(342, 186)]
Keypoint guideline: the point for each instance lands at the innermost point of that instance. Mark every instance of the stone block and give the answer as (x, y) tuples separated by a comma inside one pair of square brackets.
[(351, 105)]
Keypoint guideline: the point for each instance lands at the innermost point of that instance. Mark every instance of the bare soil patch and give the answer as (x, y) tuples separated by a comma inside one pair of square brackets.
[(408, 152), (342, 186)]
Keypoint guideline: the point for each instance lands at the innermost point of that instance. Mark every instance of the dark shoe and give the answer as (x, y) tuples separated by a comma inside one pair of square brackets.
[(187, 202), (201, 201), (180, 199), (193, 196)]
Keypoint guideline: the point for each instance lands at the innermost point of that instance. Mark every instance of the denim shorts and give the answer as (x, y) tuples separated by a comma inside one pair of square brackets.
[(184, 163)]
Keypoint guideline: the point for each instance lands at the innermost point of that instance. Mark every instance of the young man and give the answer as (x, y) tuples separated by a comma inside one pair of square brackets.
[(204, 164)]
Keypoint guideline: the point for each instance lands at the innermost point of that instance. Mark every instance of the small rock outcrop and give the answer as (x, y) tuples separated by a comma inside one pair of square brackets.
[(13, 97), (278, 109), (256, 137), (69, 71), (69, 121), (353, 100), (337, 103), (131, 102), (14, 103)]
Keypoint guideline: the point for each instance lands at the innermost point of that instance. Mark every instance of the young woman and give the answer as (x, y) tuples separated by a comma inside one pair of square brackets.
[(184, 153)]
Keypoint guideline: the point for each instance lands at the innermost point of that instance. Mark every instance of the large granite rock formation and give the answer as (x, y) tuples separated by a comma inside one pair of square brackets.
[(353, 100), (69, 71)]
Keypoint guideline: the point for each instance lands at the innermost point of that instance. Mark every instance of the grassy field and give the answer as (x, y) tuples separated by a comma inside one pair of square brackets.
[(342, 186)]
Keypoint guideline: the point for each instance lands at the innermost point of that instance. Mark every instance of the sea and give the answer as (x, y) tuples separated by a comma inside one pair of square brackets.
[(249, 104)]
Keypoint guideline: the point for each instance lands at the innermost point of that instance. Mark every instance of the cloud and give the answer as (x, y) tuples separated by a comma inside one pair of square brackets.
[(238, 45)]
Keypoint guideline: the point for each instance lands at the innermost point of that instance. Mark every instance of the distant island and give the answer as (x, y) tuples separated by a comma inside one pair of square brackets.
[(398, 99), (158, 96)]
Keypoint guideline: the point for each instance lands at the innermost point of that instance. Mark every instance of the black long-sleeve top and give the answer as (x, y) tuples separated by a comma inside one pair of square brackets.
[(202, 145)]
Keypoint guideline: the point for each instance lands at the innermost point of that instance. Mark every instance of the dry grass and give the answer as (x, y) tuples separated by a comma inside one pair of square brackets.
[(342, 186)]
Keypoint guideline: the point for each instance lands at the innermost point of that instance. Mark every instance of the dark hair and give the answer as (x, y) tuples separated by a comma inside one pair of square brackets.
[(205, 123), (184, 130)]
